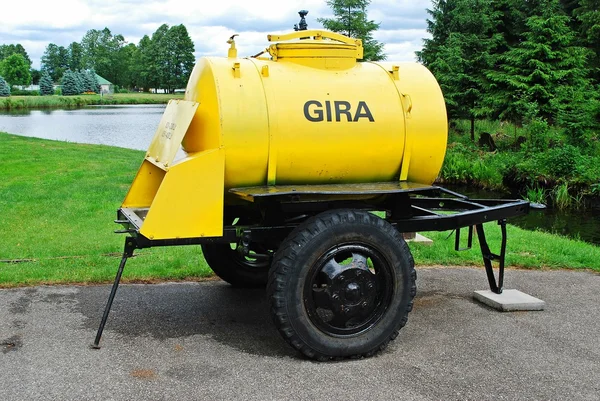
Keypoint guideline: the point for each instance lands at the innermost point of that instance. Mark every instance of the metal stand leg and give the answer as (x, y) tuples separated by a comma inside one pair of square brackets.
[(488, 256), (130, 245)]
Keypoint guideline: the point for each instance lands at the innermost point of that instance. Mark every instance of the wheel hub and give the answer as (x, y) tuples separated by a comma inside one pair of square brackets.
[(352, 291), (346, 295)]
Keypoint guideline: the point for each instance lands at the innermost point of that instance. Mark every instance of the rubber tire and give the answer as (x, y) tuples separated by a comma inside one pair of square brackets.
[(228, 265), (292, 263)]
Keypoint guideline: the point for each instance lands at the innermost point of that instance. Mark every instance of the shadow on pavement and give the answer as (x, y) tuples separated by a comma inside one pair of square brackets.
[(238, 318)]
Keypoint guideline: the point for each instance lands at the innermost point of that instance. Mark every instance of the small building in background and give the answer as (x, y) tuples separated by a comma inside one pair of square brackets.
[(106, 87)]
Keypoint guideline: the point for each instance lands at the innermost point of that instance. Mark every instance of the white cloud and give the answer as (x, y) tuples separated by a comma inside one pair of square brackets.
[(36, 23), (48, 14)]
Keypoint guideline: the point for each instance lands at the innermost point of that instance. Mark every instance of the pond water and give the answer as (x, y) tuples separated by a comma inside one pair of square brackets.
[(134, 126), (583, 224), (124, 126)]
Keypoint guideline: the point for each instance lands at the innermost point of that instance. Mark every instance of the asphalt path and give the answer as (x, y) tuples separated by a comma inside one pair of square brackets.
[(208, 341)]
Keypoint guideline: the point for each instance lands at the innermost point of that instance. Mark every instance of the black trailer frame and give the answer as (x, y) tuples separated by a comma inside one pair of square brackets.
[(409, 207)]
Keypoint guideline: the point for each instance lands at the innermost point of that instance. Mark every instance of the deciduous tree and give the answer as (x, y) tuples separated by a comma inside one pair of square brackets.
[(15, 70), (75, 56), (9, 50), (55, 60)]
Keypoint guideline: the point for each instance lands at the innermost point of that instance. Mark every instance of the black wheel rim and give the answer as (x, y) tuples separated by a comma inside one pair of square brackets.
[(349, 289)]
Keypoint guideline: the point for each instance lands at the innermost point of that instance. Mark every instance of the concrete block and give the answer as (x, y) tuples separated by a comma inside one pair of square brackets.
[(509, 300), (420, 239)]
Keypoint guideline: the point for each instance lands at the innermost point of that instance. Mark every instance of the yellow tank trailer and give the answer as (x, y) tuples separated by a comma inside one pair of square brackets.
[(274, 164)]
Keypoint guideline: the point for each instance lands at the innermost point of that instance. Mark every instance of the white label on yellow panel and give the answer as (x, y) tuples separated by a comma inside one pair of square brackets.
[(170, 132)]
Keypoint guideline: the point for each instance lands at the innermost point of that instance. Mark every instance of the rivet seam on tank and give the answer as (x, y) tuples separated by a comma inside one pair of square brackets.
[(236, 70)]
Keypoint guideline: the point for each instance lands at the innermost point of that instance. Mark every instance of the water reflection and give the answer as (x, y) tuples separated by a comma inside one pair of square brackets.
[(130, 126)]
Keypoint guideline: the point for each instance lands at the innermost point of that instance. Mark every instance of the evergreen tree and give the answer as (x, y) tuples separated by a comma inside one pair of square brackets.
[(459, 61), (90, 82), (70, 85), (589, 16), (350, 19), (4, 88), (80, 78), (529, 77), (439, 28), (46, 85)]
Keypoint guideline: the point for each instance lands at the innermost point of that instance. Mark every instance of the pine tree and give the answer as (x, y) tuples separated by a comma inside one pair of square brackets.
[(70, 86), (90, 82), (4, 88), (461, 53), (350, 19), (439, 28), (589, 16), (529, 78), (46, 85)]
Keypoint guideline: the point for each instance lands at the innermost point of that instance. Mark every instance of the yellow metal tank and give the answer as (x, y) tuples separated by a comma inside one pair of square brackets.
[(310, 113), (307, 112)]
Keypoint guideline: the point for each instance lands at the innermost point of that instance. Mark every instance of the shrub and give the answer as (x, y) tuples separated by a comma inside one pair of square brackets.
[(18, 92), (561, 162)]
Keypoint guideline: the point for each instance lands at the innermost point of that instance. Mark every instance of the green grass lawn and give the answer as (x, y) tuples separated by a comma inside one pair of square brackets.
[(58, 202)]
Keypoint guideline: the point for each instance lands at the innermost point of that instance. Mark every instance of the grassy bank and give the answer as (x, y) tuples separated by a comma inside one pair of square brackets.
[(537, 160), (46, 102), (58, 201)]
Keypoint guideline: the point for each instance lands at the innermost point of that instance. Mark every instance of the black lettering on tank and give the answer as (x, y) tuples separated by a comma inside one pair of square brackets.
[(317, 114), (328, 110), (342, 107), (363, 111), (313, 111)]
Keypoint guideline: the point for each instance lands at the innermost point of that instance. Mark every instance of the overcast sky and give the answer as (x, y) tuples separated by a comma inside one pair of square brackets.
[(35, 23)]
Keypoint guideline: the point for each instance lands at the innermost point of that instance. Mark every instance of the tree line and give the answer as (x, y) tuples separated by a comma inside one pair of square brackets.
[(518, 61), (163, 60)]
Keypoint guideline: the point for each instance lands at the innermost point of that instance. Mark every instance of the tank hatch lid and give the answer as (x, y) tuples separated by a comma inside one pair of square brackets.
[(315, 44)]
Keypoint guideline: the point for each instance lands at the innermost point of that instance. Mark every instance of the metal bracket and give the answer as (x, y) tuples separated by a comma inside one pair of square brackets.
[(469, 240), (488, 257), (130, 246)]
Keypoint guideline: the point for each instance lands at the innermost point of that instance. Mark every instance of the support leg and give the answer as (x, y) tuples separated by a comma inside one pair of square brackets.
[(488, 257), (130, 245)]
